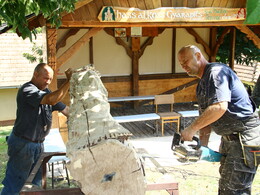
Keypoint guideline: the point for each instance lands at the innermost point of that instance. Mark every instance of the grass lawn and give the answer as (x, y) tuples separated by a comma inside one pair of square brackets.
[(4, 131)]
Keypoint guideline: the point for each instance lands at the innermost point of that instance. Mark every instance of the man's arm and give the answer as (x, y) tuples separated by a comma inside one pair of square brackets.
[(210, 115), (65, 111), (56, 96)]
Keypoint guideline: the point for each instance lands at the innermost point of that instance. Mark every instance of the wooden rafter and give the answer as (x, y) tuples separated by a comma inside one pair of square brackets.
[(149, 41), (76, 46), (81, 3), (64, 39), (250, 35), (220, 40), (199, 40)]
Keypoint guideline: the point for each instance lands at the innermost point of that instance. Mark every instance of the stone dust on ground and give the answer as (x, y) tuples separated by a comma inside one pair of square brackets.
[(199, 178)]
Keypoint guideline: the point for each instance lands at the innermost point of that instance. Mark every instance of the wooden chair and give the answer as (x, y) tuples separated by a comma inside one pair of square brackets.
[(167, 117)]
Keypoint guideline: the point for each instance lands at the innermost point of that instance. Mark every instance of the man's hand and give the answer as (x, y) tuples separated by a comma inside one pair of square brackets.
[(188, 133), (68, 73)]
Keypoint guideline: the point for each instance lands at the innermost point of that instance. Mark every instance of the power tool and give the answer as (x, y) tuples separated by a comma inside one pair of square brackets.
[(186, 152)]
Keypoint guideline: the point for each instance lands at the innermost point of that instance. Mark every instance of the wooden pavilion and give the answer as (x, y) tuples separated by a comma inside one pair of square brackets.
[(134, 26)]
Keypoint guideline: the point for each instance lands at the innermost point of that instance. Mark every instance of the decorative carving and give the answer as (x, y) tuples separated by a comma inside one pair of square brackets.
[(51, 47)]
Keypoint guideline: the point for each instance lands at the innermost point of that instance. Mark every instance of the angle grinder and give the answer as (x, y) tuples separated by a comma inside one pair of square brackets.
[(186, 152)]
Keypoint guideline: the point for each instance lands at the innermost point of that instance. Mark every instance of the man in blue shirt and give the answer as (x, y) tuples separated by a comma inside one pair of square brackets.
[(35, 104), (224, 104)]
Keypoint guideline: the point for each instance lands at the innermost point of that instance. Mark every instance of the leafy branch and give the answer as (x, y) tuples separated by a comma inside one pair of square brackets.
[(14, 12), (36, 55)]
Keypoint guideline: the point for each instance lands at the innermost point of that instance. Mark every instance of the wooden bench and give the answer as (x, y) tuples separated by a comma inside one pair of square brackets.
[(138, 117), (130, 98), (188, 113)]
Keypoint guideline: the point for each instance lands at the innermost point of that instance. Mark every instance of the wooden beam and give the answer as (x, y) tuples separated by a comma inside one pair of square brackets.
[(82, 24), (199, 40), (212, 43), (232, 49), (51, 40), (119, 41), (135, 65), (220, 40), (81, 3), (76, 46), (63, 40), (173, 50), (250, 34), (149, 41), (91, 56)]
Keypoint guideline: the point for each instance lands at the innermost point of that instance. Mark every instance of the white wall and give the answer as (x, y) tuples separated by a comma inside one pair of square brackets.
[(7, 104), (157, 57), (110, 59), (183, 38)]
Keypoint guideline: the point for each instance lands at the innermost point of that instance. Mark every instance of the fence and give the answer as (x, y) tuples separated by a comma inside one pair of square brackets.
[(248, 73)]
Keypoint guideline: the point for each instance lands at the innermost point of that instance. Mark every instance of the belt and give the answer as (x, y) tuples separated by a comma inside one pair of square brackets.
[(231, 137), (23, 137)]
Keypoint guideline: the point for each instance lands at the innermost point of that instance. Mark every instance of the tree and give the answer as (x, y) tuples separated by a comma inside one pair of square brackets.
[(15, 13), (245, 53)]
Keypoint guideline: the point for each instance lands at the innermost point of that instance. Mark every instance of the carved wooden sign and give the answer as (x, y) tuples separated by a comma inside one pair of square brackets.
[(166, 14)]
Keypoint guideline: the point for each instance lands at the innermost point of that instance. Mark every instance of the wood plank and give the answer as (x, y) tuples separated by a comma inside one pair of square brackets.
[(116, 3), (82, 3), (200, 3), (185, 3), (135, 65), (75, 47), (82, 24), (192, 4), (107, 3), (99, 4), (232, 48), (216, 3), (157, 3), (124, 3), (141, 4), (179, 3), (250, 34), (85, 13), (92, 10), (223, 3), (149, 4), (167, 3), (77, 15), (208, 3), (132, 3), (230, 4), (173, 50), (63, 40), (199, 40), (212, 43)]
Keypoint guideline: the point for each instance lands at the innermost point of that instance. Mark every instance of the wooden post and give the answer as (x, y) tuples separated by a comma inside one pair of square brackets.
[(51, 36), (135, 64), (212, 44), (232, 48), (91, 58), (173, 50), (135, 67)]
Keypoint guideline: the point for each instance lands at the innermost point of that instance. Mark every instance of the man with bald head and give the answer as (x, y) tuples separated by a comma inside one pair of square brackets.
[(35, 104), (224, 104)]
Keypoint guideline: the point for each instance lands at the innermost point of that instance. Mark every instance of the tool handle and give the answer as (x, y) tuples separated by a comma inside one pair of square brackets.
[(177, 140), (198, 143)]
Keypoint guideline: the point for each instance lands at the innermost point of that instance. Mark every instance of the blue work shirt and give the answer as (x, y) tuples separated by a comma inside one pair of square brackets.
[(220, 83), (33, 120)]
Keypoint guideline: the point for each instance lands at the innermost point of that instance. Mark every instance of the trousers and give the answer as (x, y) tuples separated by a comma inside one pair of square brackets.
[(23, 155), (235, 176)]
